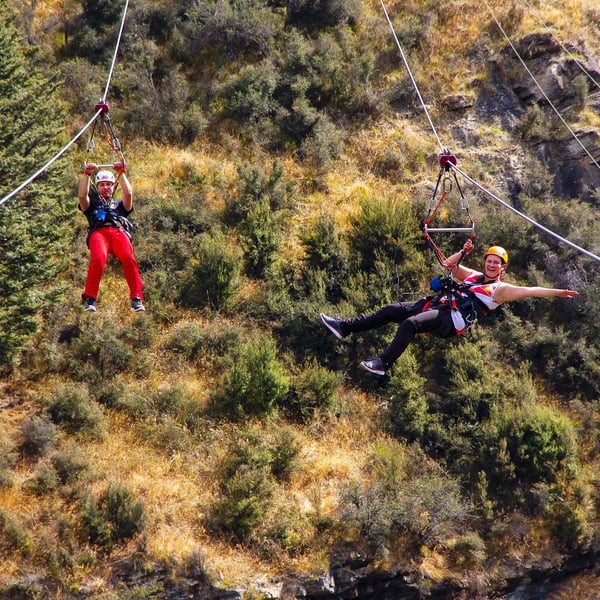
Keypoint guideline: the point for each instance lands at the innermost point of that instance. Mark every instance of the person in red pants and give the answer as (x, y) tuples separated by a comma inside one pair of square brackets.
[(109, 232)]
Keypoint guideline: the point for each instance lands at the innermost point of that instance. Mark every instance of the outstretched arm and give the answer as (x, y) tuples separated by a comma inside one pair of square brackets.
[(506, 292)]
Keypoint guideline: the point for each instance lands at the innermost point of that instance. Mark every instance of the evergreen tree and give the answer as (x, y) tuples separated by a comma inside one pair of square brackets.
[(34, 225)]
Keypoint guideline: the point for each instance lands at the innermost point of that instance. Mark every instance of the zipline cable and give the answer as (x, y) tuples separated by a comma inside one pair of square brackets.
[(565, 49), (114, 60), (85, 128), (49, 163), (525, 217), (416, 87), (551, 104), (451, 164)]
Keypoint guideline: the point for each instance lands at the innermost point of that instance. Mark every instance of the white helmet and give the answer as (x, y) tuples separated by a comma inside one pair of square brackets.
[(104, 176)]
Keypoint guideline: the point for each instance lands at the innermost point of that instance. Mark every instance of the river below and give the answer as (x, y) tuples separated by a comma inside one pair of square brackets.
[(581, 586)]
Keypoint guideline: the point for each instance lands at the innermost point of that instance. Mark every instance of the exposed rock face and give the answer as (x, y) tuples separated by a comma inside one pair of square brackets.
[(567, 81)]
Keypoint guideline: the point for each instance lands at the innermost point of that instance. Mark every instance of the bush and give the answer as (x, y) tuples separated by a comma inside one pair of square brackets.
[(323, 13), (230, 29), (38, 434), (314, 389), (468, 550), (260, 239), (324, 252), (255, 383), (100, 353), (522, 448), (249, 447), (245, 498), (44, 481), (8, 459), (193, 341), (69, 466), (388, 232), (13, 535), (213, 279), (408, 408), (115, 516), (71, 407)]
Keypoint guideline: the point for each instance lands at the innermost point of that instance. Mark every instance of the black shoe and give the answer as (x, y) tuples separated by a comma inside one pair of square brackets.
[(89, 304), (334, 325), (374, 365), (137, 305)]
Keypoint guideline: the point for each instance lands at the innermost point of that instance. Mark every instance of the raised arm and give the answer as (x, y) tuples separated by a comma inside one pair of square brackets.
[(127, 193), (459, 271), (84, 186), (506, 292)]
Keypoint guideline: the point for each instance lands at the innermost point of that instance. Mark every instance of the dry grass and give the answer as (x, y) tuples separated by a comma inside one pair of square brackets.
[(178, 489)]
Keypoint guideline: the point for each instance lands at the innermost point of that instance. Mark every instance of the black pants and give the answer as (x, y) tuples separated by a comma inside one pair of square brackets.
[(412, 321)]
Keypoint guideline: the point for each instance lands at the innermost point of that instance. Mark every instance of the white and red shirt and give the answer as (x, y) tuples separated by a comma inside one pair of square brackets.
[(483, 291)]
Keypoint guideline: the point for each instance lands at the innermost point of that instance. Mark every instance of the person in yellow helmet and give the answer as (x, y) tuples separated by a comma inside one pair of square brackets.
[(448, 314)]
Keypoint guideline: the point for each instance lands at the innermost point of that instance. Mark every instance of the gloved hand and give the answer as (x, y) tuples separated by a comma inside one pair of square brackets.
[(120, 167), (89, 168)]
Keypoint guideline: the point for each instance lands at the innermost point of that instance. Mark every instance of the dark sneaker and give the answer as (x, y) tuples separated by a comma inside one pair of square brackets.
[(334, 325), (90, 304), (374, 365), (137, 305)]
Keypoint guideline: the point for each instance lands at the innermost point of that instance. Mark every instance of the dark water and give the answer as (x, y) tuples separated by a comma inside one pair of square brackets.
[(583, 586)]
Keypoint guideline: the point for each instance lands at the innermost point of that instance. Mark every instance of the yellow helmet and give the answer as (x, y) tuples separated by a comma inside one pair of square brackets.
[(498, 251)]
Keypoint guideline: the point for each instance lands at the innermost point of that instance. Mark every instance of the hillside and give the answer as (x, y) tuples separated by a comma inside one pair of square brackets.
[(224, 443)]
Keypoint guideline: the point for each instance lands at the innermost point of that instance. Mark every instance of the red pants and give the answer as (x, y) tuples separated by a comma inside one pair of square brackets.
[(113, 240)]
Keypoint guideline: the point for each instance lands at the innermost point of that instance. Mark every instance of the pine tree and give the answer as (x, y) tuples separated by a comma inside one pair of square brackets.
[(35, 225)]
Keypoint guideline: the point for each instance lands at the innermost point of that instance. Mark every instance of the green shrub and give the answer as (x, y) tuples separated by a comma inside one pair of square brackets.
[(257, 186), (522, 448), (468, 550), (113, 517), (371, 510), (69, 466), (8, 459), (540, 442), (71, 408), (45, 480), (320, 15), (313, 389), (99, 352), (13, 535), (387, 231), (167, 434), (245, 499), (38, 435), (284, 452), (260, 239), (408, 408), (193, 341), (213, 279), (255, 382), (249, 93), (250, 448), (324, 252), (230, 29), (322, 146), (431, 508)]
